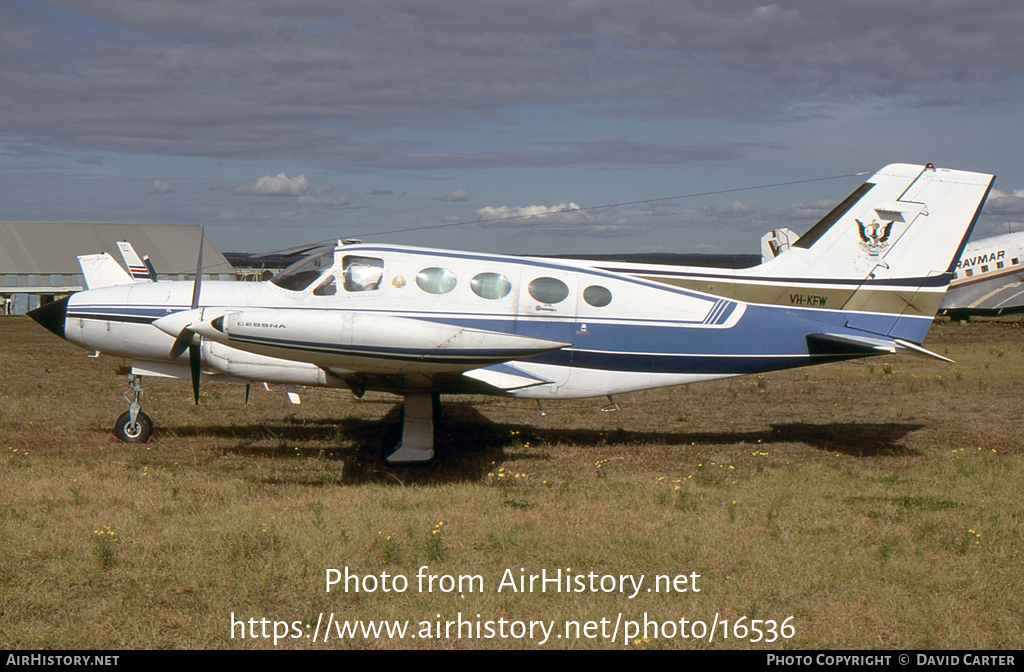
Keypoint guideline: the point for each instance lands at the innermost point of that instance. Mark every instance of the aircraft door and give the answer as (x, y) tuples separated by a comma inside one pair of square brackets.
[(547, 309)]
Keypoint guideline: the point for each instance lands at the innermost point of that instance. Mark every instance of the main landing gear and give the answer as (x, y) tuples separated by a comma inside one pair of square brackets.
[(133, 426), (419, 413), (417, 443)]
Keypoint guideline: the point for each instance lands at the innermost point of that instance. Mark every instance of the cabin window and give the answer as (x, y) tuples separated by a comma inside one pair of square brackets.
[(12, 280), (548, 290), (491, 286), (969, 272), (1016, 261), (327, 287), (304, 272), (597, 296), (999, 264), (984, 269), (436, 280), (361, 274)]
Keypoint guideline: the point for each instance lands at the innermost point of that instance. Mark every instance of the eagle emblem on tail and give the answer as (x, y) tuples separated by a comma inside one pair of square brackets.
[(874, 237)]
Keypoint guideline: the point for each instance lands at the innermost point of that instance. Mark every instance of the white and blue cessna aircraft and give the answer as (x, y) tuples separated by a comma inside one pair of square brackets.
[(865, 280)]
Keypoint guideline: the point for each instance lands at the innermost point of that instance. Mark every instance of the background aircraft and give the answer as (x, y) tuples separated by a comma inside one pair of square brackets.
[(865, 280), (141, 270), (101, 270), (989, 279)]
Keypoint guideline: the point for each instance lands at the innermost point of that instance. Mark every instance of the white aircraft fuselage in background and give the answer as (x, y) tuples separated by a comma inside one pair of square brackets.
[(866, 280), (989, 279)]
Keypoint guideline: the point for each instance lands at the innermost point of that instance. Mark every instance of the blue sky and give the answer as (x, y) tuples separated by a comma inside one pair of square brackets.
[(280, 123)]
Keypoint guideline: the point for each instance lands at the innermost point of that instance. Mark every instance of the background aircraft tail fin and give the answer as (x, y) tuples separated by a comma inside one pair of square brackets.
[(139, 270), (101, 270)]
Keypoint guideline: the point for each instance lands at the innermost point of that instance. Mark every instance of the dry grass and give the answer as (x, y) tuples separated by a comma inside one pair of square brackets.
[(878, 504)]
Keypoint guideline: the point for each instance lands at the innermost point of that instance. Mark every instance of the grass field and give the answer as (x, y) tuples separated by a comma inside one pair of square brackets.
[(863, 505)]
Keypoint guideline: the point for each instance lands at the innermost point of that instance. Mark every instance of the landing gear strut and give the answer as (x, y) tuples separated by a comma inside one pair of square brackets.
[(133, 426), (417, 444)]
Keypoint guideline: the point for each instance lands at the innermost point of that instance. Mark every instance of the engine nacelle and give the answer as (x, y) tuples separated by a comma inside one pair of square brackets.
[(371, 342), (250, 366)]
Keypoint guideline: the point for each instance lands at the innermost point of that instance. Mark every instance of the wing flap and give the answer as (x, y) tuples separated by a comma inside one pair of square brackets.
[(506, 377)]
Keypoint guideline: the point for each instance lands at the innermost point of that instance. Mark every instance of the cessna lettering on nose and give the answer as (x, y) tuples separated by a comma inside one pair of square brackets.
[(866, 280)]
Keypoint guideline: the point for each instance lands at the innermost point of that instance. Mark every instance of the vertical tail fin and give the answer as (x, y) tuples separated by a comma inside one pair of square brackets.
[(139, 270), (905, 222), (100, 270), (888, 251)]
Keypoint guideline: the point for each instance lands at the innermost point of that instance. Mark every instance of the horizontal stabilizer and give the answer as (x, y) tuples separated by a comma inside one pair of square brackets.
[(847, 344), (506, 377)]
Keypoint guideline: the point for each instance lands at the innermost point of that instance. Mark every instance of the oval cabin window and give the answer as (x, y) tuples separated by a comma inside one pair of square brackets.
[(491, 286), (597, 296), (548, 290), (436, 280)]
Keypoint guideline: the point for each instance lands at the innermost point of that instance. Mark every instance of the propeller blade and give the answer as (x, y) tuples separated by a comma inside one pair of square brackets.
[(195, 358), (247, 394), (195, 355), (183, 341), (196, 286)]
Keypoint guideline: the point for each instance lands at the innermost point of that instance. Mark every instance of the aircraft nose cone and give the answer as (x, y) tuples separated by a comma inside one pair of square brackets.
[(52, 315)]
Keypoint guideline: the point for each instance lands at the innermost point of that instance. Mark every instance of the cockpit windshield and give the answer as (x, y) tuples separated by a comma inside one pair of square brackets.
[(305, 272)]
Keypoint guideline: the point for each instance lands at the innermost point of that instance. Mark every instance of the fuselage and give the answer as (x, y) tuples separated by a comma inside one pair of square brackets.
[(399, 318), (989, 278)]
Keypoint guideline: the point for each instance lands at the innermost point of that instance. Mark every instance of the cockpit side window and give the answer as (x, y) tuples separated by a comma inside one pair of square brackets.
[(327, 287), (362, 274), (304, 272)]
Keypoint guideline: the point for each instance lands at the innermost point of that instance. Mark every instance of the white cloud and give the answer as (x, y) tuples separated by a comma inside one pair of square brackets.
[(1001, 203), (279, 185), (567, 219), (1003, 213), (505, 212), (161, 187), (457, 196)]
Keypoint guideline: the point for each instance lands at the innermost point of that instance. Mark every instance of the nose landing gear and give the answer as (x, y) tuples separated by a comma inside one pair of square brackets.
[(133, 426)]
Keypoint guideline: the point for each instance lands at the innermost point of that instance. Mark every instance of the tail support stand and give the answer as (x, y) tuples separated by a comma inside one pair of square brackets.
[(417, 444)]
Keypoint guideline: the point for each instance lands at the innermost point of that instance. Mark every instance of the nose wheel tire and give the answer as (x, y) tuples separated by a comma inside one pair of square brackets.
[(137, 433)]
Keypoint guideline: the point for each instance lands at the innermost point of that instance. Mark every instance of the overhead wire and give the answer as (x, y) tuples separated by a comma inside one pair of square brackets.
[(429, 227)]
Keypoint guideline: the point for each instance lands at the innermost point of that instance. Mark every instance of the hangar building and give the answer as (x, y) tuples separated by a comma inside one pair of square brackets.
[(38, 260)]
